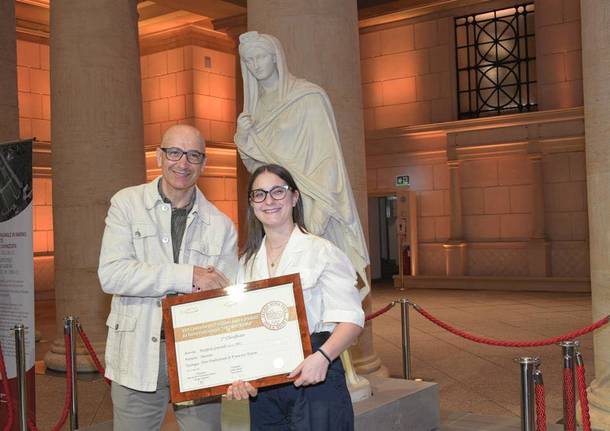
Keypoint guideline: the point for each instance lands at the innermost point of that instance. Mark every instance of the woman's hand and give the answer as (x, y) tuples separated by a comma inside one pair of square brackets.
[(240, 390), (311, 371)]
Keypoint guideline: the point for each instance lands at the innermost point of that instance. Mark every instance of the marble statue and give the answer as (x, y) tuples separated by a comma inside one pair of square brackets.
[(290, 122)]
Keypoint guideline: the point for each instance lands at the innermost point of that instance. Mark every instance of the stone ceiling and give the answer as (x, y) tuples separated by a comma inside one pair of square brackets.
[(159, 15)]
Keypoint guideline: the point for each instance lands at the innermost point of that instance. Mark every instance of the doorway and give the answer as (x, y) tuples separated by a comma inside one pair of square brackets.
[(383, 240), (392, 227)]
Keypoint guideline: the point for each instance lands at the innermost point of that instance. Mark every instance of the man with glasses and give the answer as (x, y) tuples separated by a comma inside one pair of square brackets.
[(161, 238)]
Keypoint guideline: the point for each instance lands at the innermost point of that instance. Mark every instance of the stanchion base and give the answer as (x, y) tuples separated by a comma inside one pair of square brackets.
[(55, 359)]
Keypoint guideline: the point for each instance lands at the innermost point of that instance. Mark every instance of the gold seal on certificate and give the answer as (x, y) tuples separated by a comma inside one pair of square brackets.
[(274, 315), (255, 332)]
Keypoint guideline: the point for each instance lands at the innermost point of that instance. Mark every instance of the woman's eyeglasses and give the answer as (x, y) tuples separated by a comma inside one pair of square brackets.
[(277, 193)]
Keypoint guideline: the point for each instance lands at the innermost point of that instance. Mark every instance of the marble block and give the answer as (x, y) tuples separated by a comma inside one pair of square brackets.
[(399, 405)]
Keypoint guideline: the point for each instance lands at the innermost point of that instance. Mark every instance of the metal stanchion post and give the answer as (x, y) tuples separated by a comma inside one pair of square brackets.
[(21, 385), (406, 339), (568, 349), (70, 330), (528, 413)]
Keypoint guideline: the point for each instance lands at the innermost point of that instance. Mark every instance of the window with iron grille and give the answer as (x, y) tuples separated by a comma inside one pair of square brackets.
[(496, 62)]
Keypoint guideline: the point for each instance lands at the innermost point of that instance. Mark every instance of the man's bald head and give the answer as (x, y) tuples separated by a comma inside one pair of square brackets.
[(181, 134)]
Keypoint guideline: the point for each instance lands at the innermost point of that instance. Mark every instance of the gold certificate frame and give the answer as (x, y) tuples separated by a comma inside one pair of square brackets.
[(255, 332)]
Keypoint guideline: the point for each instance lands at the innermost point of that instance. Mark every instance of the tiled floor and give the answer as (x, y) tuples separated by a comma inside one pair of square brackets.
[(471, 422), (479, 384)]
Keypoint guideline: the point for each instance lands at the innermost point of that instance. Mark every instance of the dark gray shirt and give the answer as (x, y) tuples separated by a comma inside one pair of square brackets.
[(179, 216)]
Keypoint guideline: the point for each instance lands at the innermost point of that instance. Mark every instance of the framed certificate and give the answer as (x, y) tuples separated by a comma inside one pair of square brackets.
[(255, 332)]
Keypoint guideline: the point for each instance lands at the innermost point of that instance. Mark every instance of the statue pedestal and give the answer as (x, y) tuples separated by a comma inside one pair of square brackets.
[(399, 404)]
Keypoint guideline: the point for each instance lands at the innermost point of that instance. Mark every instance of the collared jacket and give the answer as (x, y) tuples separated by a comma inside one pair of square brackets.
[(328, 279), (137, 267)]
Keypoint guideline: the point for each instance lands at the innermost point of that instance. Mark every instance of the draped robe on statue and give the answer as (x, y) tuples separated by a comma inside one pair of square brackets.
[(294, 126)]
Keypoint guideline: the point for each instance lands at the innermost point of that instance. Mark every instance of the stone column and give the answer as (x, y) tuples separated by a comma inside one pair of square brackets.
[(321, 41), (455, 248), (97, 142), (9, 108), (596, 82), (539, 249), (243, 176)]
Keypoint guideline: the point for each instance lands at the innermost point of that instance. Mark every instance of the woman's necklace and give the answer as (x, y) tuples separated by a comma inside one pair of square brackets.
[(274, 254)]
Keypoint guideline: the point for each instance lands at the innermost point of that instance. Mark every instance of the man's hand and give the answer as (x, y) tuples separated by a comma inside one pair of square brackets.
[(241, 390), (311, 371), (208, 278)]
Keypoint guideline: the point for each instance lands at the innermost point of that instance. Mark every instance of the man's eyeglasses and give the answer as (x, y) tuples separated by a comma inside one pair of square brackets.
[(174, 154), (277, 193)]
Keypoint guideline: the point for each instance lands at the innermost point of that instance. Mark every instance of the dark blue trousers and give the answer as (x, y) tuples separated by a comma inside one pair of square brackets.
[(325, 406)]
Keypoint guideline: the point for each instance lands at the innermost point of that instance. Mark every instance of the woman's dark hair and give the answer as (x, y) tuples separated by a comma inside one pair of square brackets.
[(255, 227)]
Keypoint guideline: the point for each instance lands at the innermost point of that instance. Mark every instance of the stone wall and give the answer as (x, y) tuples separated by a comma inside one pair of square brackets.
[(558, 54), (194, 85), (407, 74), (191, 85), (409, 95), (34, 90), (497, 199)]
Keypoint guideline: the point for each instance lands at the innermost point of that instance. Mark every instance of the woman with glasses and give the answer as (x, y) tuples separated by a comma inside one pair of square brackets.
[(277, 244)]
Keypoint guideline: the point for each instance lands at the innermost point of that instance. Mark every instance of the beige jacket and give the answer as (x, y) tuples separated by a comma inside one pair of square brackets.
[(136, 267)]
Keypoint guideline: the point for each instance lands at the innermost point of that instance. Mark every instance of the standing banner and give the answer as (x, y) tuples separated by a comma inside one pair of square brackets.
[(16, 266)]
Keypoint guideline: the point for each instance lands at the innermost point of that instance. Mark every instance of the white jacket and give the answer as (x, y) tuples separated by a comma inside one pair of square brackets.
[(136, 267)]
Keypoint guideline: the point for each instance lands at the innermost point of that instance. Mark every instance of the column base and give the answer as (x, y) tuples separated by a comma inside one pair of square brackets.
[(599, 405), (55, 359), (370, 365), (539, 258), (455, 258)]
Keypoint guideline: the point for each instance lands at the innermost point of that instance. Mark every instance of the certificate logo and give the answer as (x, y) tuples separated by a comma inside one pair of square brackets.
[(274, 315)]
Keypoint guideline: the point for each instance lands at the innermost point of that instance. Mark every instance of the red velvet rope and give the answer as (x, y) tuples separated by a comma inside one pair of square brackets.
[(380, 311), (584, 402), (540, 408), (7, 392), (31, 425), (68, 399), (92, 353), (554, 340), (568, 399)]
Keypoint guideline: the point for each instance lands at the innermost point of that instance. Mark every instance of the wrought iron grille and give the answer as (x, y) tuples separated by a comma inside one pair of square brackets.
[(496, 62)]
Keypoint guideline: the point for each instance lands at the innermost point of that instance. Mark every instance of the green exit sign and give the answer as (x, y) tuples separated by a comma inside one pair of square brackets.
[(402, 180)]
